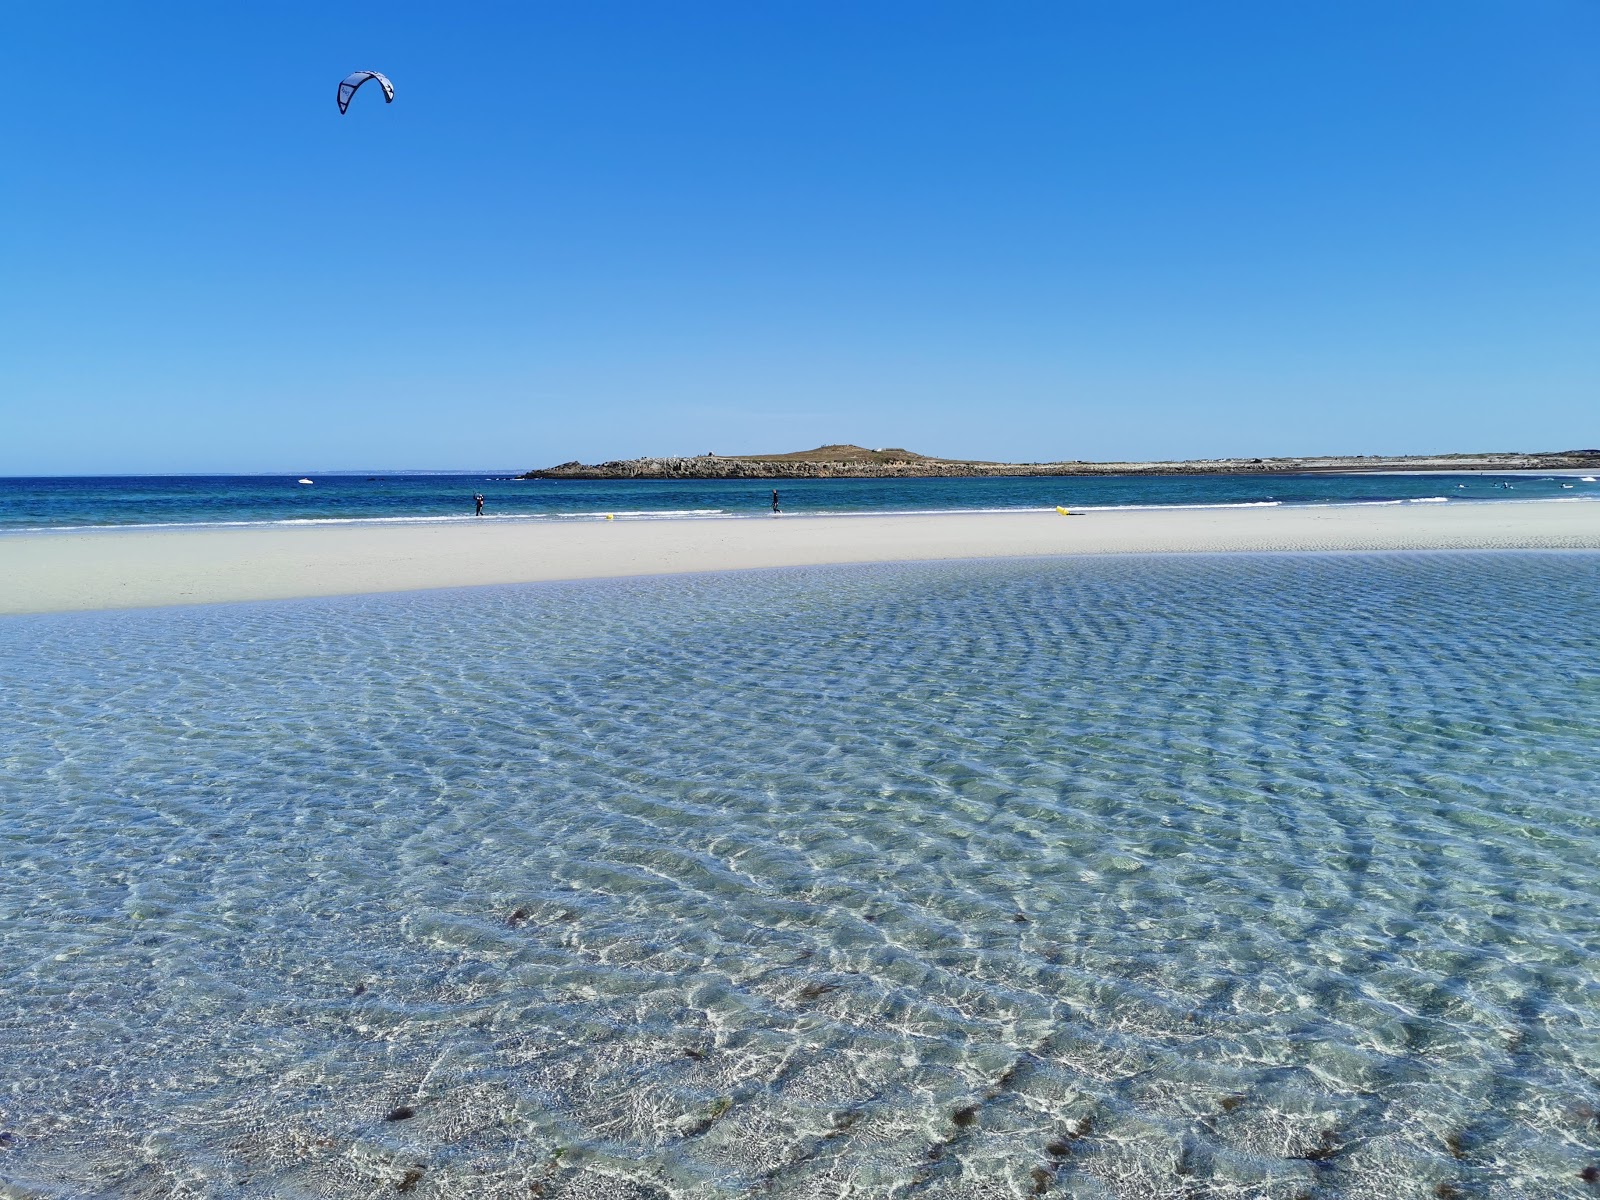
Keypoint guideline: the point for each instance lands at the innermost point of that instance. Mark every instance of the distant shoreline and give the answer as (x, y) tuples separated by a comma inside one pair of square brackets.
[(847, 462)]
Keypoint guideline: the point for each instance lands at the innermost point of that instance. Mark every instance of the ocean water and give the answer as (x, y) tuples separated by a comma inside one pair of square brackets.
[(1262, 876), (54, 503)]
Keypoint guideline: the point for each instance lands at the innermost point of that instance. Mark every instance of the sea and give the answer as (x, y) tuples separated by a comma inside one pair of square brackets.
[(1265, 876), (370, 496)]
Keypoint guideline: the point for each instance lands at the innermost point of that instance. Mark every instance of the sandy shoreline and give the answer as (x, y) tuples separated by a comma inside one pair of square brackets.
[(58, 572)]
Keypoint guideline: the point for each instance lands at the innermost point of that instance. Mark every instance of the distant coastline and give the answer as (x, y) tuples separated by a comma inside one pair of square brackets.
[(847, 461)]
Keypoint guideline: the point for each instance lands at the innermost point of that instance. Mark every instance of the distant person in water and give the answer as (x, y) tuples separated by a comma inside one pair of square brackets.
[(477, 498), (775, 507)]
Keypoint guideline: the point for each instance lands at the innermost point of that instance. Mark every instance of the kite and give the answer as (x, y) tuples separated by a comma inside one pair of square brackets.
[(347, 89)]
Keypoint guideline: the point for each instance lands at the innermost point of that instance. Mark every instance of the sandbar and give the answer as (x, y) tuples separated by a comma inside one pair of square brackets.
[(107, 569)]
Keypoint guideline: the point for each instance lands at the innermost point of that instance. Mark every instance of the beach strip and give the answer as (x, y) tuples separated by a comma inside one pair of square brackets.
[(110, 569)]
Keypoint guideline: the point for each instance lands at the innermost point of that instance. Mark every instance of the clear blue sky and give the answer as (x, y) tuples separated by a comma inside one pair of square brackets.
[(598, 229)]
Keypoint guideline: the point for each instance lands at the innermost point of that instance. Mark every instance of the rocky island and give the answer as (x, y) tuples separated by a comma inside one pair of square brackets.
[(847, 461)]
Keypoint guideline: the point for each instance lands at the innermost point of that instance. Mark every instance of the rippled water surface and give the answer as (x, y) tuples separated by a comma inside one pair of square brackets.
[(1251, 876)]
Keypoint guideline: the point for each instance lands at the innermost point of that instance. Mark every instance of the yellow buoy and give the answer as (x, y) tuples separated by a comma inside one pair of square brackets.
[(610, 517), (1062, 511)]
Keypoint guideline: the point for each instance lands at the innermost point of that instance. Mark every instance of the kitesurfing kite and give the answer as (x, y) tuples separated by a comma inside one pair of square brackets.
[(347, 89)]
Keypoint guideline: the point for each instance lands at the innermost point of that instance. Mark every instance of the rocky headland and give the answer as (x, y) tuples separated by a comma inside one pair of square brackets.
[(846, 461)]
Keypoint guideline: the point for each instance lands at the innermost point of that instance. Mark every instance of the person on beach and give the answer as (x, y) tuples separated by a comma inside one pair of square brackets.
[(477, 498), (775, 507)]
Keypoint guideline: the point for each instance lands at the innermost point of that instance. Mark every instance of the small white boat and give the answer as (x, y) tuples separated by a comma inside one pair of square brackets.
[(304, 481)]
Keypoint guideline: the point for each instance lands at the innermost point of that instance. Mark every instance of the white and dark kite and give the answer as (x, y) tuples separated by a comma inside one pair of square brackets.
[(347, 89)]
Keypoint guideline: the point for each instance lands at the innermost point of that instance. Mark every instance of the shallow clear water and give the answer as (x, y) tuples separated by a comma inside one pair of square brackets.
[(34, 504), (1254, 876)]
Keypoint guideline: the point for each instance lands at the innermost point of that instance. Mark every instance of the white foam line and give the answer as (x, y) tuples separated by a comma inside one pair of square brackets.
[(646, 513), (1489, 473), (1164, 507)]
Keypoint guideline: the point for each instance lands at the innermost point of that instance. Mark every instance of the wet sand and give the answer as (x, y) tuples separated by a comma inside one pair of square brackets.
[(56, 572)]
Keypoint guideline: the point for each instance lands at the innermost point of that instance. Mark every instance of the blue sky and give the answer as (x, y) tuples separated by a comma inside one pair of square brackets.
[(1011, 230)]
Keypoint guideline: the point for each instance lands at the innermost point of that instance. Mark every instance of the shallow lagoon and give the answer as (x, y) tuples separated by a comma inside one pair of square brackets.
[(1255, 876)]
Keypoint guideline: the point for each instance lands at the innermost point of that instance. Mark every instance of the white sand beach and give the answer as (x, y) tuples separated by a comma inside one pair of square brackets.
[(55, 572)]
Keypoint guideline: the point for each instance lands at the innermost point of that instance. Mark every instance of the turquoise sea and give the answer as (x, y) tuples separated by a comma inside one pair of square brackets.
[(63, 502), (1247, 876)]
